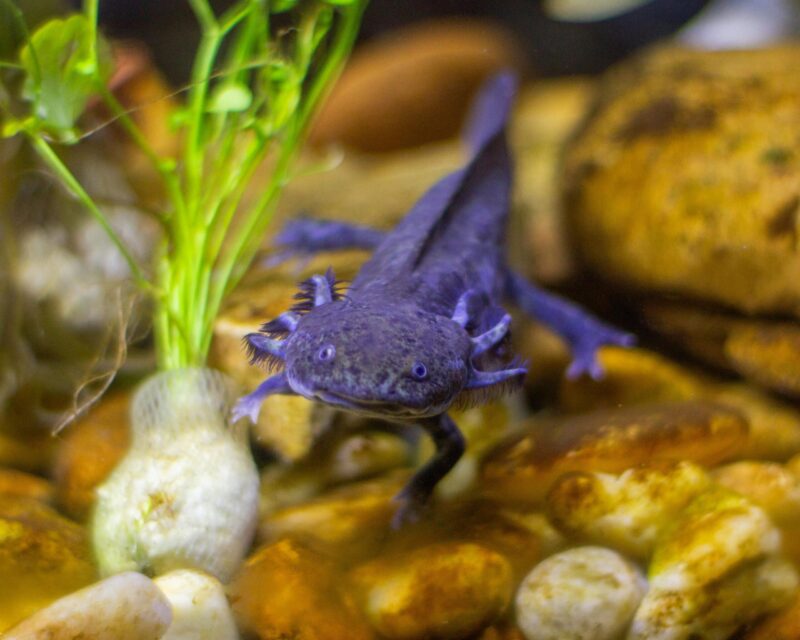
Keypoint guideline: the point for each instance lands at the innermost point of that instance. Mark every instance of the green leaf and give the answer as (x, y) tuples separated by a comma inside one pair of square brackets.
[(281, 6), (230, 97), (341, 3), (62, 72)]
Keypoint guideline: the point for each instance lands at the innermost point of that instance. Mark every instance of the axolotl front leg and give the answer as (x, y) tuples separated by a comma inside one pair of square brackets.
[(583, 332)]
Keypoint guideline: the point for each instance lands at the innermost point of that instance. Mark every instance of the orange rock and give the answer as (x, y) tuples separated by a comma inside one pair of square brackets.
[(347, 521), (612, 441), (43, 556), (413, 86), (445, 590), (90, 450), (784, 625), (24, 485), (286, 590), (32, 451)]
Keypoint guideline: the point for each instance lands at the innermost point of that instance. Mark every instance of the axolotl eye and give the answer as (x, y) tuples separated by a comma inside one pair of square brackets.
[(419, 371), (326, 353)]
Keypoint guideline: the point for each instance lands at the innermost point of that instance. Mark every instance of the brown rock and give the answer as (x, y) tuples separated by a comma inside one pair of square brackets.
[(761, 350), (350, 521), (447, 590), (637, 376), (783, 625), (25, 485), (89, 451), (413, 86), (43, 556), (31, 451), (611, 441), (683, 180), (286, 590)]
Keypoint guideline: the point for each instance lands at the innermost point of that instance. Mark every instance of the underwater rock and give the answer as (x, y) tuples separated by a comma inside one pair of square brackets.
[(700, 138), (25, 485), (186, 494), (30, 451), (632, 376), (446, 590), (127, 606), (43, 556), (625, 512), (288, 590), (611, 441), (586, 592), (783, 625), (771, 486), (88, 451), (639, 376), (763, 351), (713, 570), (200, 610), (414, 85), (545, 116), (347, 520)]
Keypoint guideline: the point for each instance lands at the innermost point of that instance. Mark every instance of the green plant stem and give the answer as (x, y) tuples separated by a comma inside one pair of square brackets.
[(167, 175), (247, 238), (55, 163)]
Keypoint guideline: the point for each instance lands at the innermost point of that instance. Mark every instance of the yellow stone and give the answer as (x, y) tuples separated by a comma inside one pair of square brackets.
[(716, 568), (625, 512), (43, 556)]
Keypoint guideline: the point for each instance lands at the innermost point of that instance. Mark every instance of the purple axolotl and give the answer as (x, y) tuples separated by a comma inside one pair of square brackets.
[(421, 328)]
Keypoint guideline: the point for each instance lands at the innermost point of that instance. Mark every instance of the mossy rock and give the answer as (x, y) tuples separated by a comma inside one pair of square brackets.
[(685, 178)]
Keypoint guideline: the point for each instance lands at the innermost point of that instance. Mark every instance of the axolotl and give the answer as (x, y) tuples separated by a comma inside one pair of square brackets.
[(421, 328)]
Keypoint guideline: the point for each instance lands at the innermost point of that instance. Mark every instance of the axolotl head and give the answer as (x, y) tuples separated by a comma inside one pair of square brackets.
[(393, 361), (388, 360)]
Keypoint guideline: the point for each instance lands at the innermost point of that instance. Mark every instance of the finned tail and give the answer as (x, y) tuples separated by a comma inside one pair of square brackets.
[(490, 110)]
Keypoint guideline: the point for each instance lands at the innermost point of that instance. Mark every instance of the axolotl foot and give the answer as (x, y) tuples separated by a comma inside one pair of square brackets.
[(584, 349), (410, 507)]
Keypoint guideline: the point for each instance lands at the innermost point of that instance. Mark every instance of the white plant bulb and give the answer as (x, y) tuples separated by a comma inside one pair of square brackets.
[(186, 494)]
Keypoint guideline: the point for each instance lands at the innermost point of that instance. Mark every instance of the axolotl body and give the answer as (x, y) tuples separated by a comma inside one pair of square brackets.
[(421, 327)]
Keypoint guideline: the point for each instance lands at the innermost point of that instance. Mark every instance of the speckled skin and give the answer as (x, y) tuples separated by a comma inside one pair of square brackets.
[(422, 325)]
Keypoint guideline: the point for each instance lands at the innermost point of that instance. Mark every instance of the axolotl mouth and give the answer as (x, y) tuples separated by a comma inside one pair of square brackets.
[(370, 408)]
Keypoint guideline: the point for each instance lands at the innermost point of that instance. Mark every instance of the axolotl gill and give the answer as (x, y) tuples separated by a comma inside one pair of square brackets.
[(421, 328)]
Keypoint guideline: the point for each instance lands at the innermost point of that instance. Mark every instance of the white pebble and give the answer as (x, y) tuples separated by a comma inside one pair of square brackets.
[(127, 606), (200, 610), (587, 593)]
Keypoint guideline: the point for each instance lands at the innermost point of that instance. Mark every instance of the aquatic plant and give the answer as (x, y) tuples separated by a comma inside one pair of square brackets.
[(187, 493), (254, 100)]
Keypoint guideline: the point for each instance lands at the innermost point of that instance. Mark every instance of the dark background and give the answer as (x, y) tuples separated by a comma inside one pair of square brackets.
[(553, 47)]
